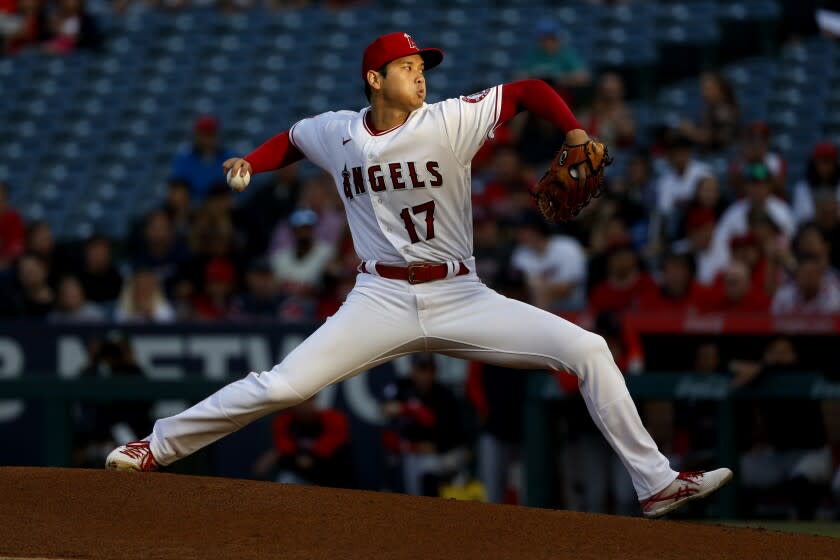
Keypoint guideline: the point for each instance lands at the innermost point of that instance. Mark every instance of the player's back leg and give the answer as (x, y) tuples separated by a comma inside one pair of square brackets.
[(376, 324)]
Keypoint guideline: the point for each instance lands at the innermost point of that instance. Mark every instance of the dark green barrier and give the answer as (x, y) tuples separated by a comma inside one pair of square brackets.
[(543, 389), (57, 393)]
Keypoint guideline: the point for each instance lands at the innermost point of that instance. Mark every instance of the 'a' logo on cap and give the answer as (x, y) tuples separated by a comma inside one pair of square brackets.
[(411, 43)]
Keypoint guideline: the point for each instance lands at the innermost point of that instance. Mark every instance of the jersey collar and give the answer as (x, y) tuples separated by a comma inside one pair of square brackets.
[(373, 132)]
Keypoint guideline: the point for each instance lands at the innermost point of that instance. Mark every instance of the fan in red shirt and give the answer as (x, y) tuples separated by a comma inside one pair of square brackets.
[(216, 301), (506, 192), (310, 446), (626, 285), (12, 231), (679, 289), (734, 292), (742, 288), (31, 30)]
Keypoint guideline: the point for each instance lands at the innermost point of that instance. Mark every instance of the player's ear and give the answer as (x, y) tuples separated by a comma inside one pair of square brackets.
[(374, 80)]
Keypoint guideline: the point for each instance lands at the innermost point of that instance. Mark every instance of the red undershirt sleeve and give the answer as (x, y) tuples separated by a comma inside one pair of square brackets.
[(540, 99), (273, 154)]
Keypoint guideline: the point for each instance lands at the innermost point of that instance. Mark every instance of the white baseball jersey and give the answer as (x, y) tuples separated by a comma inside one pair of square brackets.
[(407, 190), (407, 196)]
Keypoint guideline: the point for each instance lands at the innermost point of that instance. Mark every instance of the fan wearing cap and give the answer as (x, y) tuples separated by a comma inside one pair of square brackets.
[(755, 148), (198, 164), (402, 169), (822, 177), (757, 196), (300, 267)]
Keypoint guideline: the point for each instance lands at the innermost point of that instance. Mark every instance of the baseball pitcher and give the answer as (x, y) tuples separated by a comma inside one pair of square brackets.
[(402, 169)]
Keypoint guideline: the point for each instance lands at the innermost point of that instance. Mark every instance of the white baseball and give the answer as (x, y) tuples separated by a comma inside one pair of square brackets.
[(239, 182)]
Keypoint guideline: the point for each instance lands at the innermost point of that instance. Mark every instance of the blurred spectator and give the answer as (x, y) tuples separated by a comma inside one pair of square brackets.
[(775, 256), (610, 119), (200, 165), (827, 220), (708, 194), (554, 266), (626, 197), (734, 291), (178, 206), (491, 249), (71, 305), (319, 196), (142, 300), (735, 220), (815, 288), (718, 124), (41, 242), (554, 59), (27, 27), (506, 191), (99, 427), (215, 301), (269, 204), (755, 148), (28, 293), (708, 259), (423, 428), (811, 239), (787, 450), (101, 281), (626, 284), (823, 174), (10, 21), (310, 446), (678, 289), (261, 299), (72, 27), (160, 249), (12, 230), (212, 236), (764, 276), (300, 268), (605, 234), (676, 187), (498, 394)]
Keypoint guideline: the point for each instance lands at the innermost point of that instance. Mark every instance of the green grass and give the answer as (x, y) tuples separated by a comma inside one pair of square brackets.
[(824, 528)]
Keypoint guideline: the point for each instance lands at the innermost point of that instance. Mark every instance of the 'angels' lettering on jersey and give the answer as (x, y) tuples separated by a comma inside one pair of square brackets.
[(407, 190), (390, 177)]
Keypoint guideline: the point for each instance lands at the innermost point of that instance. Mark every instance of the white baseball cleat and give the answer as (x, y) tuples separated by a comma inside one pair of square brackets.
[(688, 486), (133, 456)]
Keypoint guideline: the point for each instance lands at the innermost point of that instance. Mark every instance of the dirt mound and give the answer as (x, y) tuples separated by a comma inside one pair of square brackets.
[(65, 513)]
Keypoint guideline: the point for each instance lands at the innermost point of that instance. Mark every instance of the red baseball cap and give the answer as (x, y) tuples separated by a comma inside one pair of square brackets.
[(392, 46), (206, 124), (825, 150)]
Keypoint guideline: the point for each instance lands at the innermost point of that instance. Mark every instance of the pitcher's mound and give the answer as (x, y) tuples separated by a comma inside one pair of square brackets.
[(66, 513)]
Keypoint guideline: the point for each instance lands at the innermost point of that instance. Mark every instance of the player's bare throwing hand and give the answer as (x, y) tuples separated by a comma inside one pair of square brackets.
[(402, 168)]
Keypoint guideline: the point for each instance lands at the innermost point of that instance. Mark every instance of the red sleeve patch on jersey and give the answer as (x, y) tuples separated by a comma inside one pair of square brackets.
[(475, 97)]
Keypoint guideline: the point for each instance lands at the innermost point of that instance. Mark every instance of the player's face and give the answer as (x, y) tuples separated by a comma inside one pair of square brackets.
[(405, 85)]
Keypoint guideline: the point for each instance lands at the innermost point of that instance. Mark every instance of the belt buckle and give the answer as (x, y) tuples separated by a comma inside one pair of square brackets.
[(412, 271)]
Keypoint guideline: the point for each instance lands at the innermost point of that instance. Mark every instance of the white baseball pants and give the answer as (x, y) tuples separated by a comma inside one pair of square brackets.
[(383, 319)]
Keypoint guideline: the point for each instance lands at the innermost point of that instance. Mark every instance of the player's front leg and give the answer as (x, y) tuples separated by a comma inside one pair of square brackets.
[(372, 327), (494, 329)]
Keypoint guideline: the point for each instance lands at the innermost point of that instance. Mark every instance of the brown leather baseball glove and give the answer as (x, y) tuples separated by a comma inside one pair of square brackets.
[(575, 177)]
